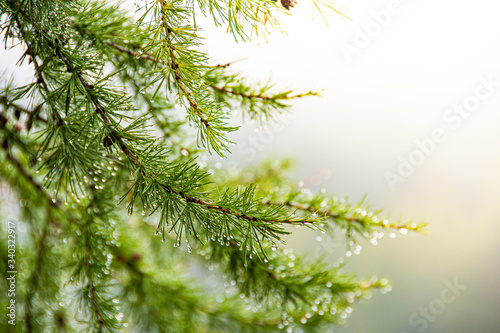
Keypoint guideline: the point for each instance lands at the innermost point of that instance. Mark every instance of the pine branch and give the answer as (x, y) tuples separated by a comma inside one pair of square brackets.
[(186, 68), (180, 295), (177, 75), (291, 284), (259, 14), (92, 269), (261, 96), (349, 218), (355, 220), (97, 304), (135, 54), (97, 96)]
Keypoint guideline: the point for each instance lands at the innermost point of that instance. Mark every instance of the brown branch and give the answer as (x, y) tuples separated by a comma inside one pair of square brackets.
[(228, 63), (209, 205), (135, 54), (317, 211), (227, 91)]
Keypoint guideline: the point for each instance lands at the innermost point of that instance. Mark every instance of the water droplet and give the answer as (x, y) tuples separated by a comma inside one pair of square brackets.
[(403, 231)]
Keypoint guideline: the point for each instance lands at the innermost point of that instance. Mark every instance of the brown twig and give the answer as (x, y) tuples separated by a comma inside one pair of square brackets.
[(333, 215)]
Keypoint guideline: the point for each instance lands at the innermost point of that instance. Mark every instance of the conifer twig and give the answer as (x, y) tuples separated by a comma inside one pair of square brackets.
[(175, 66), (333, 215), (135, 54), (228, 91)]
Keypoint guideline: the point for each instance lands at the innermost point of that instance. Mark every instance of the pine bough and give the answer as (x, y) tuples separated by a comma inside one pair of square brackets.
[(104, 128)]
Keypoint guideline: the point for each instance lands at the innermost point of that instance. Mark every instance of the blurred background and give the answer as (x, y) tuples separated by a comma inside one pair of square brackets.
[(409, 117), (392, 77)]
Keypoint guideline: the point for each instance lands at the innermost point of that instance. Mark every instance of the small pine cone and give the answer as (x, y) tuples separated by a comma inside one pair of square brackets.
[(288, 3)]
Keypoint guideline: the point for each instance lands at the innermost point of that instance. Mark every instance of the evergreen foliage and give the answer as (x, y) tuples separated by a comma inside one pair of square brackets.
[(100, 142)]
